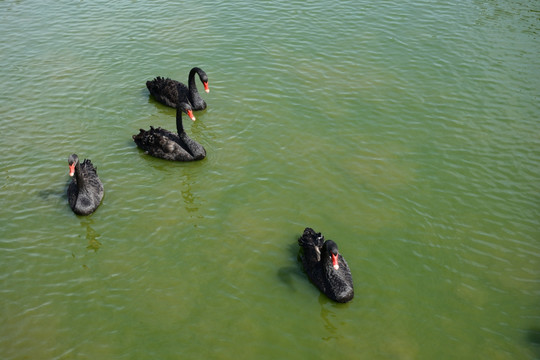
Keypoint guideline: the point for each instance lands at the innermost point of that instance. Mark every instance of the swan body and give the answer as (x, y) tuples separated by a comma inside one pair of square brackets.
[(164, 144), (85, 191), (167, 91), (325, 267)]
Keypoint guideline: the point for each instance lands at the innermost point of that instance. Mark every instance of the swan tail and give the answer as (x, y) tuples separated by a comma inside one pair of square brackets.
[(155, 83), (311, 238)]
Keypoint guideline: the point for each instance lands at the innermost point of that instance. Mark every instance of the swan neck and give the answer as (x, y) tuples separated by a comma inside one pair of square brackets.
[(191, 81), (79, 176), (179, 124)]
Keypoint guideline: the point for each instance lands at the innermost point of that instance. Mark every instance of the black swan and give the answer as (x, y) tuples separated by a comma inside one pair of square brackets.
[(325, 267), (167, 145), (166, 90), (85, 190)]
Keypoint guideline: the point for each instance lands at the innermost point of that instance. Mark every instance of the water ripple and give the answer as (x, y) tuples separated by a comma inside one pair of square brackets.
[(407, 132)]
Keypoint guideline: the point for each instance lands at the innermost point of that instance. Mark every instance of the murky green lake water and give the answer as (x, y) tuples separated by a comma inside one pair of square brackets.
[(408, 132)]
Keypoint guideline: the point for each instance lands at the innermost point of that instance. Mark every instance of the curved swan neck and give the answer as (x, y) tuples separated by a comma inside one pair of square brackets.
[(191, 80), (179, 124)]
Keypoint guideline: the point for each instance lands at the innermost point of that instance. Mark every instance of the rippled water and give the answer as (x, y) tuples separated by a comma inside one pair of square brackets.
[(409, 133)]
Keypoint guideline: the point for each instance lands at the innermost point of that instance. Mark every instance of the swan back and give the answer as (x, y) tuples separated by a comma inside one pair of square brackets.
[(165, 90)]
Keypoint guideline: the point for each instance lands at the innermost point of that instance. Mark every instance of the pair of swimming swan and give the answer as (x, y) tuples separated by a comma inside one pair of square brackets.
[(162, 143), (85, 191)]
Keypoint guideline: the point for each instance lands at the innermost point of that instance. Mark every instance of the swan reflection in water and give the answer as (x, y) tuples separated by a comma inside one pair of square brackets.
[(92, 236), (189, 199), (328, 317)]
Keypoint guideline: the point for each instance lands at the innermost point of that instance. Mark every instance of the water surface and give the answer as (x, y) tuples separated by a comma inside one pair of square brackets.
[(406, 132)]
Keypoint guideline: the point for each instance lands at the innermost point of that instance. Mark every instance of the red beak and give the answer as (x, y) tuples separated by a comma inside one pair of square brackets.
[(72, 169), (190, 114), (206, 87), (335, 261)]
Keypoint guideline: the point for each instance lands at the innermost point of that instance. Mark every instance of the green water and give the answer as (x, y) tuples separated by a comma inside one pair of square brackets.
[(409, 133)]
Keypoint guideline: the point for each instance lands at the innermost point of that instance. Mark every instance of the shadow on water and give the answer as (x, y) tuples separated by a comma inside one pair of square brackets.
[(56, 196), (54, 193), (287, 273), (533, 337)]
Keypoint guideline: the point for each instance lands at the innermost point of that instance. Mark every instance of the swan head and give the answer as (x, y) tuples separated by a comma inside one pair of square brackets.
[(187, 109), (331, 248), (204, 78), (72, 162)]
